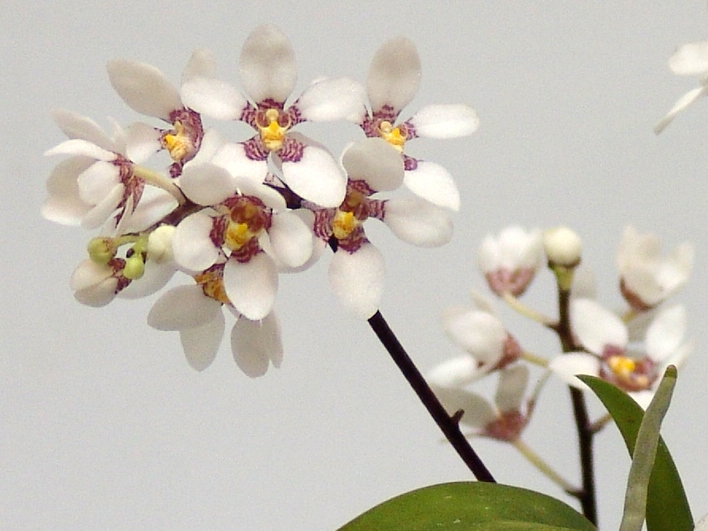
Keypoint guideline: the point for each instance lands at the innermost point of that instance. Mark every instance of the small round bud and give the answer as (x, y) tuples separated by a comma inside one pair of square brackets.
[(102, 250), (159, 245), (134, 267), (563, 247)]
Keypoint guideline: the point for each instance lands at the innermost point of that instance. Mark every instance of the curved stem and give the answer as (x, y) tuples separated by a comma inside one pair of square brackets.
[(524, 310), (449, 425), (544, 467)]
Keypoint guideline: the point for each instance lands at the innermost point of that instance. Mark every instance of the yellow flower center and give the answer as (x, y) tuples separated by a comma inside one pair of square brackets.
[(237, 235), (178, 143), (272, 129), (344, 224), (212, 283), (626, 373), (393, 135)]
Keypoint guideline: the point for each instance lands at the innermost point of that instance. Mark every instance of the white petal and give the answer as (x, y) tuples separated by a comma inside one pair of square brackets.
[(80, 127), (291, 239), (433, 183), (77, 146), (511, 388), (456, 372), (445, 121), (316, 176), (201, 343), (183, 307), (232, 157), (64, 204), (394, 75), (201, 64), (98, 215), (479, 333), (207, 184), (214, 98), (596, 327), (418, 222), (255, 344), (88, 273), (332, 99), (666, 332), (478, 413), (97, 181), (690, 59), (251, 286), (191, 243), (267, 65), (93, 284), (142, 141), (154, 205), (357, 279), (211, 142), (566, 366), (374, 161), (144, 88), (684, 101)]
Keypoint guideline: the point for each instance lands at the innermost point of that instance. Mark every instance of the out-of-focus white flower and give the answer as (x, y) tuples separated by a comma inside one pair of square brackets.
[(563, 246), (101, 178), (689, 60), (702, 524), (146, 90), (503, 420), (393, 80), (609, 356), (510, 260), (648, 277), (268, 74), (356, 271), (196, 312)]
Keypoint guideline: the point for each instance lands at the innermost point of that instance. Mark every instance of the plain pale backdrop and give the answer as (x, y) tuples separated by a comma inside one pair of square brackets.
[(103, 425)]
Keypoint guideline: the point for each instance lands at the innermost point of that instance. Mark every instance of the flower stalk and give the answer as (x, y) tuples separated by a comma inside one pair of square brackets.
[(449, 425)]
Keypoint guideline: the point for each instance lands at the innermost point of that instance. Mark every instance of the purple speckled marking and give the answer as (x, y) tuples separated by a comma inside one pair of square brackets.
[(254, 149), (218, 227), (354, 241), (377, 209), (323, 223), (248, 251), (292, 150), (248, 115), (409, 163)]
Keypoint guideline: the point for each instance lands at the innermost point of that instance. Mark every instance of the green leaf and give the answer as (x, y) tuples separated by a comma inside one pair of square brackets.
[(472, 506), (667, 506)]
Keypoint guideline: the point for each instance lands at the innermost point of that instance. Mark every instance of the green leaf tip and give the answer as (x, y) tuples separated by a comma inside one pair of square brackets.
[(667, 505)]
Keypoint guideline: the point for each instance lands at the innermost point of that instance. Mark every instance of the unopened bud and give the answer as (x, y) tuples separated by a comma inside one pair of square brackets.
[(159, 245), (563, 247), (134, 267), (102, 250)]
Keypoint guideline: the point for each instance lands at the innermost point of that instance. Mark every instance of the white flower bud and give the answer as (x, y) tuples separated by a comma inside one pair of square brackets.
[(563, 247), (159, 247)]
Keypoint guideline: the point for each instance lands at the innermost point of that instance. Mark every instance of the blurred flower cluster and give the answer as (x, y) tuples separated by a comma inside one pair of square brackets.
[(233, 215), (630, 348)]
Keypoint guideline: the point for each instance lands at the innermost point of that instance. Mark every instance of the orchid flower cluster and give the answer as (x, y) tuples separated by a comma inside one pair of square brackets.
[(630, 349), (234, 215), (175, 196)]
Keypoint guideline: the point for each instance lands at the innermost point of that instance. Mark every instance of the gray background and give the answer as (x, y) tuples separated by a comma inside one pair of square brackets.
[(102, 422)]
